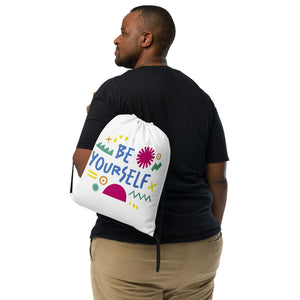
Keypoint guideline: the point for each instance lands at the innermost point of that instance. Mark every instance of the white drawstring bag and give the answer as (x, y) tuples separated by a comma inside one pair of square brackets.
[(126, 171)]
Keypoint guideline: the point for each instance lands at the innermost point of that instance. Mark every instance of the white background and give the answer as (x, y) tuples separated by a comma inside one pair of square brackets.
[(54, 54)]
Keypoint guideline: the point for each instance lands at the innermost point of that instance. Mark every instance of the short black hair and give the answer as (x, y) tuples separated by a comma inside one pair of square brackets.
[(159, 21)]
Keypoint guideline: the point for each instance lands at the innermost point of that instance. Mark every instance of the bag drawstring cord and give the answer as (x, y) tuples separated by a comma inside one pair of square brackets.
[(157, 238)]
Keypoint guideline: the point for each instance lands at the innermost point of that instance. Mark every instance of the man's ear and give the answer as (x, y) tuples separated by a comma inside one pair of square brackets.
[(147, 39)]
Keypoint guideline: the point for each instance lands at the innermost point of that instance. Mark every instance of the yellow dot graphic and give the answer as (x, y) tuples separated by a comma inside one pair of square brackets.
[(133, 205), (136, 207), (121, 136), (129, 203), (115, 140), (126, 138)]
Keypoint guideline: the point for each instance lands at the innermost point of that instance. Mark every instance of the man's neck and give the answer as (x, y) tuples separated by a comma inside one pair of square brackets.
[(159, 61)]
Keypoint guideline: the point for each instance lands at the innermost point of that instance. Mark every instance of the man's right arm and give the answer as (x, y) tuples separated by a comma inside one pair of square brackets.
[(80, 159), (81, 156)]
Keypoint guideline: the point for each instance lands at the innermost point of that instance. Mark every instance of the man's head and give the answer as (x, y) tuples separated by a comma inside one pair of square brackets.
[(147, 33)]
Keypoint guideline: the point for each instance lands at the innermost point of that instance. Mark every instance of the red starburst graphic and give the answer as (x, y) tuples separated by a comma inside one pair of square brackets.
[(145, 157)]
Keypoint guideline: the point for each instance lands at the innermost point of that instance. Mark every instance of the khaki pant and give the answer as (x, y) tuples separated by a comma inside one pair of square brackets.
[(125, 271)]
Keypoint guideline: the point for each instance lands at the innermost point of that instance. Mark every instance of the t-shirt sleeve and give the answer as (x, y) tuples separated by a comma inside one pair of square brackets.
[(216, 150), (104, 108)]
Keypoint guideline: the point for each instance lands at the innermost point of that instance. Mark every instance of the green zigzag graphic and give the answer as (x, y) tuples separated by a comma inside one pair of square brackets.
[(105, 150), (156, 167), (139, 195)]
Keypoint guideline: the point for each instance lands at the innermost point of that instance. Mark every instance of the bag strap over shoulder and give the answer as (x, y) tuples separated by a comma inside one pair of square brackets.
[(124, 95), (72, 174), (158, 229), (159, 217)]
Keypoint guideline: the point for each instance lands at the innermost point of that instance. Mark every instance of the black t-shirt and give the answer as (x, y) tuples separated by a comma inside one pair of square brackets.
[(174, 103)]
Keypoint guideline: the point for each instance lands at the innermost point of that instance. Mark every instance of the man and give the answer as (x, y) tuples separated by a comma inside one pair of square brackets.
[(122, 258)]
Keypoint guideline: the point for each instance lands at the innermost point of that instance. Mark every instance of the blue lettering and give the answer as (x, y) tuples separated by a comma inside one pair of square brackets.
[(97, 167), (93, 157), (136, 180), (124, 174), (129, 176), (144, 180), (105, 167), (116, 169), (120, 152), (128, 154)]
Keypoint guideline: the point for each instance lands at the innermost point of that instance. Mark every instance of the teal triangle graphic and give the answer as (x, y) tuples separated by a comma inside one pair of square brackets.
[(105, 150)]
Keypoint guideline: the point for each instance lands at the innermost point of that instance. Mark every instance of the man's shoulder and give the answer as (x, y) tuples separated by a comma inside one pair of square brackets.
[(109, 85), (112, 81), (146, 71), (135, 76)]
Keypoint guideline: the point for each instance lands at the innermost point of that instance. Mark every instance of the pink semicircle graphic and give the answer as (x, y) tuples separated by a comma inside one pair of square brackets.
[(115, 191)]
